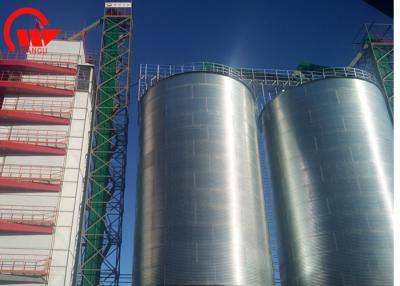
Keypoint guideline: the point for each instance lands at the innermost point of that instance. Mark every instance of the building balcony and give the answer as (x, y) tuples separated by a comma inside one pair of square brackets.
[(32, 142), (33, 84), (61, 60), (27, 220), (30, 66), (16, 268), (35, 111), (23, 178)]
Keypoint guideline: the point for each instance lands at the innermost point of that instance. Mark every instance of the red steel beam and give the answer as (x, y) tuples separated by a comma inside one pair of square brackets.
[(19, 87), (21, 117), (9, 184), (10, 226), (33, 66), (10, 146)]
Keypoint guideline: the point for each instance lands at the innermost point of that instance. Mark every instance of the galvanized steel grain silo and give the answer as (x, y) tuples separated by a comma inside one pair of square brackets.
[(201, 217), (330, 145)]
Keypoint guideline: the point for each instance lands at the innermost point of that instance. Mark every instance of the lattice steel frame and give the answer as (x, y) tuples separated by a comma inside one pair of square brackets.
[(99, 247), (376, 55)]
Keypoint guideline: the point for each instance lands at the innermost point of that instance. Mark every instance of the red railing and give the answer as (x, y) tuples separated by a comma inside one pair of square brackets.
[(39, 174), (55, 59), (55, 81), (59, 108), (37, 265), (48, 138), (45, 216)]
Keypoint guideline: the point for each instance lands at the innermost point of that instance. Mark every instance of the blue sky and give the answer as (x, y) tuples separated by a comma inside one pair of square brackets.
[(253, 33)]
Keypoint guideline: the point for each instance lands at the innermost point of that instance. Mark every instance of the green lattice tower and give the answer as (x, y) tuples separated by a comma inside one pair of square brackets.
[(382, 55), (104, 193), (376, 56)]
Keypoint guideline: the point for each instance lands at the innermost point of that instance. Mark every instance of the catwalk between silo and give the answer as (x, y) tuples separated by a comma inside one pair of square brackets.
[(201, 217), (330, 147)]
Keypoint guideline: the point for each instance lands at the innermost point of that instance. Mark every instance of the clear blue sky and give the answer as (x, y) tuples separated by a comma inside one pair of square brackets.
[(253, 33)]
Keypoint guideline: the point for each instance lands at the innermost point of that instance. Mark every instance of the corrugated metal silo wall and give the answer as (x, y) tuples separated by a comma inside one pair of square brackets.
[(269, 206), (330, 145), (201, 216)]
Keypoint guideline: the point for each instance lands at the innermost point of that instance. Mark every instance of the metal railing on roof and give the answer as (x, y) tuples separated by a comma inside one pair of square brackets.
[(152, 73)]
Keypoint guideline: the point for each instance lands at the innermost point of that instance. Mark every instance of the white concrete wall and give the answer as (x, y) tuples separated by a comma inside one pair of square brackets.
[(61, 245), (65, 238), (63, 48)]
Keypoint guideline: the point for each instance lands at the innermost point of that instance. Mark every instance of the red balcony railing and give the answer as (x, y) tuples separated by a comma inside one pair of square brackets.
[(32, 265), (30, 178), (22, 219), (55, 59), (38, 215), (29, 141), (55, 108), (66, 82), (26, 66), (47, 138)]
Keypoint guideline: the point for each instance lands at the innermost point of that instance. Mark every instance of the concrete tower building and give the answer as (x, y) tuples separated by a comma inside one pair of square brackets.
[(45, 113)]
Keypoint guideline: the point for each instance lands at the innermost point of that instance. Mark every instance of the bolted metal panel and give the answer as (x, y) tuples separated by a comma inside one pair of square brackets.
[(330, 145), (201, 217)]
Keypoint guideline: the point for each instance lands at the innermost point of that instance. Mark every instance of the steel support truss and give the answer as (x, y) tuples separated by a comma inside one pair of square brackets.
[(376, 55), (99, 250)]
